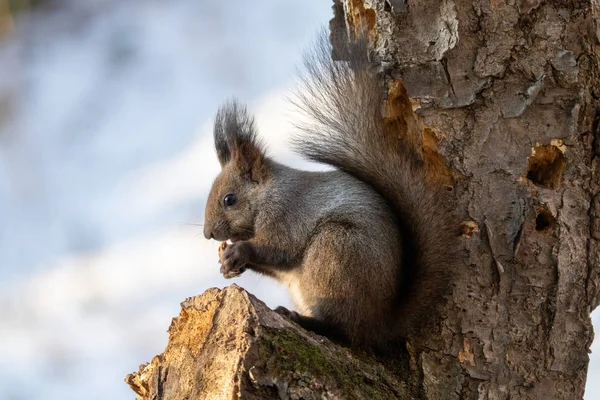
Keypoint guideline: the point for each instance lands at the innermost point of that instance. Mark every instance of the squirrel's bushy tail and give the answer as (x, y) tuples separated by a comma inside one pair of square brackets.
[(346, 129)]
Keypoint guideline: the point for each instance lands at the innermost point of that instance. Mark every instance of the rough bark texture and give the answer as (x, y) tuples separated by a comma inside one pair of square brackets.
[(505, 94), (503, 98), (226, 344)]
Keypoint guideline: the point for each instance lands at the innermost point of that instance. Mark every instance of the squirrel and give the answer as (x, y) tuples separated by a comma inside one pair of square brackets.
[(367, 249)]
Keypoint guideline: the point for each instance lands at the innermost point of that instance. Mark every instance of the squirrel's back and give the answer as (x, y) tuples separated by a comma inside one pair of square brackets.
[(298, 202)]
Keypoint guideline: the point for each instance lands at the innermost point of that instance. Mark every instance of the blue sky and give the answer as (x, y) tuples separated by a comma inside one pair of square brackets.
[(105, 162)]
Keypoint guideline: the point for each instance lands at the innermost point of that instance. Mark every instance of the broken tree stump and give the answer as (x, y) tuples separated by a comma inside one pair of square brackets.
[(227, 344)]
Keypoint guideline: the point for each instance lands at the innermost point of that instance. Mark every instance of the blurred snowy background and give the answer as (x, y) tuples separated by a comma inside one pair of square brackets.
[(106, 160)]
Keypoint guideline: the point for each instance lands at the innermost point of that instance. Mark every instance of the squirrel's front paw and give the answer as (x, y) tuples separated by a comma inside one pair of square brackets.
[(234, 259)]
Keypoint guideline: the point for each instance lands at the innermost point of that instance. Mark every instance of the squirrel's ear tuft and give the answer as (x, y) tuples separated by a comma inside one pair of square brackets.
[(235, 136)]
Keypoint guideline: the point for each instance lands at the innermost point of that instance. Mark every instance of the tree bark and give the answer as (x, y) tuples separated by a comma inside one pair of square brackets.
[(503, 97), (506, 99)]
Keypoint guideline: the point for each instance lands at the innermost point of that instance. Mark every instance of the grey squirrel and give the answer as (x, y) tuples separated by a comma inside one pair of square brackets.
[(366, 250)]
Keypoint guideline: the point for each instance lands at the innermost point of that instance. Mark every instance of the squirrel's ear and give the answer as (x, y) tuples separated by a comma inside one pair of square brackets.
[(235, 136), (250, 161)]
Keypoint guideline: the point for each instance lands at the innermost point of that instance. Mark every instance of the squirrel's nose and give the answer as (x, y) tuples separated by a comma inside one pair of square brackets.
[(208, 232)]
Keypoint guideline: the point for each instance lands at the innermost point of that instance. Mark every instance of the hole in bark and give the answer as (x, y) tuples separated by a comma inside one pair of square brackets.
[(468, 228), (544, 221), (546, 166)]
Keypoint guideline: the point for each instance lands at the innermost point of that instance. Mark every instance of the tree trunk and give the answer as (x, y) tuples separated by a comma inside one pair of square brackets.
[(506, 94), (503, 97)]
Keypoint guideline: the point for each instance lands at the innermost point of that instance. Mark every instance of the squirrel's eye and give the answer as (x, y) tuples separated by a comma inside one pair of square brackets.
[(229, 200)]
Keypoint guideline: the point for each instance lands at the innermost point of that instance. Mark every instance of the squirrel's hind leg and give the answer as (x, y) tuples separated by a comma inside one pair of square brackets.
[(315, 325)]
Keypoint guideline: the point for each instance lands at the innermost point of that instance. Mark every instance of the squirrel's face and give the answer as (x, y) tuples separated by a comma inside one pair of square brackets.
[(231, 206)]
